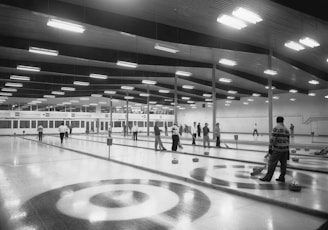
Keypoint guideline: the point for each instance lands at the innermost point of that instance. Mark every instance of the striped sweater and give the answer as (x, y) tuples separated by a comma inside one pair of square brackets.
[(279, 141)]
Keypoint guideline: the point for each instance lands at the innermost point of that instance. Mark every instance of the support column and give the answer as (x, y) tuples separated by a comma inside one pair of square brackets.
[(127, 116), (270, 95), (111, 112), (148, 111), (213, 96), (175, 98)]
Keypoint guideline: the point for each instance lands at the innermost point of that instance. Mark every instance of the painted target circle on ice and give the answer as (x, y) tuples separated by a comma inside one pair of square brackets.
[(117, 204), (238, 176)]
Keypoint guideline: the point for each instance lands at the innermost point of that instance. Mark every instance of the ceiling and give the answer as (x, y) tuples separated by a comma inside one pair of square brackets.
[(188, 25)]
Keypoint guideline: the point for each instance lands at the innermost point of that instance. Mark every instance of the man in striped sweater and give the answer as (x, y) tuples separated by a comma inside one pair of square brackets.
[(279, 144)]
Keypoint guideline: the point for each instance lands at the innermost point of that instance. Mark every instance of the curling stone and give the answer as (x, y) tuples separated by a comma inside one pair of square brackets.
[(195, 159), (295, 159), (317, 153), (298, 149), (293, 151), (257, 171), (206, 153), (295, 187), (175, 161), (307, 149)]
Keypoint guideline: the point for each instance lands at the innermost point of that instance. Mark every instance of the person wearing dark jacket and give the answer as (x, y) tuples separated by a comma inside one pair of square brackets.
[(158, 140)]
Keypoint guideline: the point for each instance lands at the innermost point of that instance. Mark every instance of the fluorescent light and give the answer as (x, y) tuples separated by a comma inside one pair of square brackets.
[(43, 51), (207, 95), (49, 96), (273, 87), (231, 97), (163, 91), (110, 92), (28, 68), (250, 99), (83, 83), (127, 64), (183, 73), (149, 82), (166, 48), (128, 97), (9, 89), (96, 95), (208, 99), (275, 97), (245, 103), (98, 76), (231, 21), (270, 72), (314, 82), (232, 91), (144, 94), (188, 87), (246, 15), (12, 84), (294, 46), (228, 62), (5, 94), (256, 95), (312, 94), (292, 99), (168, 100), (128, 34), (190, 102), (293, 91), (20, 78), (68, 88), (152, 102), (185, 98), (326, 96), (225, 80), (57, 92), (309, 42), (127, 87), (64, 25)]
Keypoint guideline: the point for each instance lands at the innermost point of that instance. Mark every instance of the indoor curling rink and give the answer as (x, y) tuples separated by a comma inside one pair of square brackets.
[(85, 184)]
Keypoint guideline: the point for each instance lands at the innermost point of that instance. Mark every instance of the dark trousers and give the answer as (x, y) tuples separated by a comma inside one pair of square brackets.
[(255, 131), (61, 135), (40, 136), (198, 133), (135, 136), (194, 138), (175, 142), (282, 157), (218, 142)]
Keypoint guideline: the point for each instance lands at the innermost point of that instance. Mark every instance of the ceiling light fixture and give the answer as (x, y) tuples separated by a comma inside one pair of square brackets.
[(127, 64), (19, 78), (188, 87), (275, 97), (292, 99), (6, 94), (256, 95), (314, 82), (293, 91), (228, 62), (164, 91), (309, 42), (96, 95), (294, 46), (185, 98), (225, 80), (28, 68), (311, 94), (82, 83), (270, 72), (166, 48), (57, 92), (273, 87), (183, 73), (208, 99), (149, 82), (246, 15), (231, 97), (12, 84), (207, 95), (9, 89), (64, 25), (231, 21), (43, 51), (144, 95), (110, 92), (128, 97), (67, 88), (232, 91), (98, 76), (49, 96), (127, 87)]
